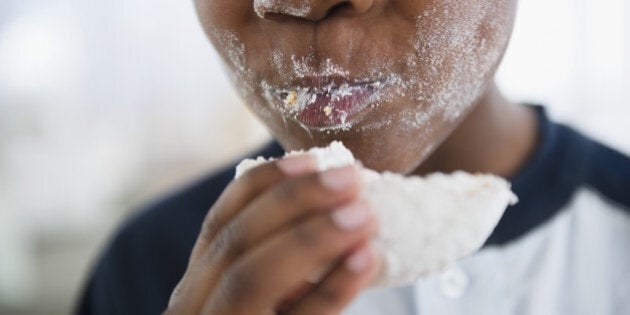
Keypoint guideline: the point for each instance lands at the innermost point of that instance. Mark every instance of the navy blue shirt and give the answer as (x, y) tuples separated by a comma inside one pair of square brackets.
[(149, 253)]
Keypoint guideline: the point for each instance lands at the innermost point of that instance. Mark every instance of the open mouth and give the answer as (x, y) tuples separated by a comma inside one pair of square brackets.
[(327, 106)]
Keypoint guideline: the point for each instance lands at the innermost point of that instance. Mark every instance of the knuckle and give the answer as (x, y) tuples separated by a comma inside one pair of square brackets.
[(229, 243), (331, 296), (298, 190), (288, 191), (209, 226), (308, 234), (212, 223), (241, 283)]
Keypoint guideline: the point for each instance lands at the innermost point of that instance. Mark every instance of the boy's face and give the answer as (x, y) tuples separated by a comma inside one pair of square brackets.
[(389, 78)]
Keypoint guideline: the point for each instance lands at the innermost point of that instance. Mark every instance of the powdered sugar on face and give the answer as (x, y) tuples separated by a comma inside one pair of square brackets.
[(239, 73), (290, 7), (454, 52), (304, 66), (454, 58)]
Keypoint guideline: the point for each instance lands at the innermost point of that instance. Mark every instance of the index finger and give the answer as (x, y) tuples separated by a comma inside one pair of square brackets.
[(243, 190), (193, 287)]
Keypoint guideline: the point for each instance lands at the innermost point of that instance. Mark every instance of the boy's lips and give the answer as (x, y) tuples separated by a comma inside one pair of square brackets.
[(326, 102)]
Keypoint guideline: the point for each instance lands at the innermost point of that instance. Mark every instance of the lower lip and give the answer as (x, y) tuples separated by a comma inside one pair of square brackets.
[(338, 109)]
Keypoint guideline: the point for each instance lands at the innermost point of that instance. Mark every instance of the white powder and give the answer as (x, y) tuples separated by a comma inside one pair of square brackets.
[(278, 62), (303, 67), (297, 98), (445, 73), (426, 224), (454, 58), (239, 73), (294, 8), (335, 155)]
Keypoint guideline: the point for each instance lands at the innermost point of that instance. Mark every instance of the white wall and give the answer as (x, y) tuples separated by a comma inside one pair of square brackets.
[(569, 55)]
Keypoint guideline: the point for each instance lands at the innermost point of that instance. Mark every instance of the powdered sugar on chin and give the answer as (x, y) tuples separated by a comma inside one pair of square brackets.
[(294, 8)]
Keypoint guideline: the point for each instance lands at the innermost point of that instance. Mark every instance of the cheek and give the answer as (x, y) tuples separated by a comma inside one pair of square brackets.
[(458, 45), (456, 49), (225, 23), (223, 14)]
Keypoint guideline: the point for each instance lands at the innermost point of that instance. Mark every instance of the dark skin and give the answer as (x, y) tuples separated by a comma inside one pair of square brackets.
[(274, 228), (268, 233), (497, 137)]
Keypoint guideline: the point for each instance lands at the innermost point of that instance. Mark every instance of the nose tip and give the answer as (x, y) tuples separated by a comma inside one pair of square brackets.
[(312, 10)]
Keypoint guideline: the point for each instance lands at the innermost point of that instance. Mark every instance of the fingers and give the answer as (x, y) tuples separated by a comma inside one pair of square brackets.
[(270, 230), (285, 204), (271, 270), (340, 287), (278, 208), (201, 274), (295, 295), (241, 191)]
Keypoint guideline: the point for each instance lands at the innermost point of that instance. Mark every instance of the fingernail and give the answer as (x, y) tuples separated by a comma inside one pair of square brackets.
[(351, 217), (295, 165), (339, 178), (360, 260)]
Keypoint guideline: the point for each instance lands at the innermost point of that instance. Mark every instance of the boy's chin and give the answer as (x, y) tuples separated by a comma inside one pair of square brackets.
[(395, 147), (396, 136)]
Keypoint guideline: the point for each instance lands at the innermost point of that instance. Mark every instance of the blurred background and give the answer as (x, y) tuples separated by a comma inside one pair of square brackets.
[(105, 105)]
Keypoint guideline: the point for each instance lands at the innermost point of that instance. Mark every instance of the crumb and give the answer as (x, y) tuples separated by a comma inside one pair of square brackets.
[(291, 98), (327, 110)]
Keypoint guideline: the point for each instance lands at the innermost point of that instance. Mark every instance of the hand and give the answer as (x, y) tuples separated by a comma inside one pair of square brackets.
[(272, 230)]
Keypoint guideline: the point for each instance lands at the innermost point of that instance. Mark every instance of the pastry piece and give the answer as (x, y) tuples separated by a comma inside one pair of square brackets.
[(426, 223)]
